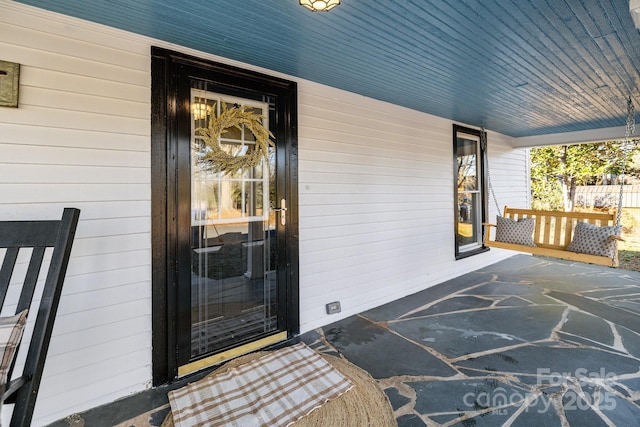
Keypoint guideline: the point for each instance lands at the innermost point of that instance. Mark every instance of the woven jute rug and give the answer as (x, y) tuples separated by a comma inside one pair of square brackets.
[(362, 406)]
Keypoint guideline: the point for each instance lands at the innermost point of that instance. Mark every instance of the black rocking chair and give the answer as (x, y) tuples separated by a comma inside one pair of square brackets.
[(36, 236)]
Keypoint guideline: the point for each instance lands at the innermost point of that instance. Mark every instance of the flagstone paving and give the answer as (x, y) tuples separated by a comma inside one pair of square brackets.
[(525, 342)]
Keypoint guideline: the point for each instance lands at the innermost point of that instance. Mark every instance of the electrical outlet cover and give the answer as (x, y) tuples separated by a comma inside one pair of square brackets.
[(333, 307)]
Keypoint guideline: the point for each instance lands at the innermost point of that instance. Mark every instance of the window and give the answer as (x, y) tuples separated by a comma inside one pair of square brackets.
[(469, 195)]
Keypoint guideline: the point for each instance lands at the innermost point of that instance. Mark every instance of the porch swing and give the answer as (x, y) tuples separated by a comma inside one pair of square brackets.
[(588, 237)]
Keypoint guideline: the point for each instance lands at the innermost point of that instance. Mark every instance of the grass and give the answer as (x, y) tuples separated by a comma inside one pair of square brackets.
[(629, 253)]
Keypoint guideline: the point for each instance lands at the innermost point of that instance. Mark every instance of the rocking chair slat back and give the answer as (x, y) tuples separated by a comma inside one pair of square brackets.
[(31, 279), (9, 262), (36, 237)]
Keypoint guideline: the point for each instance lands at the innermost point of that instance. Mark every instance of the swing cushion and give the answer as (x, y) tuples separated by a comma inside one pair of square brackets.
[(594, 240), (519, 232)]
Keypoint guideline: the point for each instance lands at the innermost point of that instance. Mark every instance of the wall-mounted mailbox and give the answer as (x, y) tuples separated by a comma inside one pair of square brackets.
[(9, 82)]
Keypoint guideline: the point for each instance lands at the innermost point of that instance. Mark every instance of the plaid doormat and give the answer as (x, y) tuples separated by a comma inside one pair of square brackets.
[(274, 390)]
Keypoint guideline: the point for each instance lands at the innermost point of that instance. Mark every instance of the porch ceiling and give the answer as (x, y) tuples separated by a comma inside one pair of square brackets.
[(523, 68)]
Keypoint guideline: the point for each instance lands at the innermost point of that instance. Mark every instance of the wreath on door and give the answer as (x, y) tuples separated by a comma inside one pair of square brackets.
[(235, 117)]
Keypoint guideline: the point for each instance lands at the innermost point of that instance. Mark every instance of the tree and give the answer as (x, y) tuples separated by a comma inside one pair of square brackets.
[(557, 170)]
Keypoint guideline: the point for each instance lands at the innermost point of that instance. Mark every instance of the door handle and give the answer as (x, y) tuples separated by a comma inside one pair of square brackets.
[(283, 211)]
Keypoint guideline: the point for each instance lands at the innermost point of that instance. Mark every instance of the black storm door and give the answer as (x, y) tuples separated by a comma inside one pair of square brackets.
[(231, 227)]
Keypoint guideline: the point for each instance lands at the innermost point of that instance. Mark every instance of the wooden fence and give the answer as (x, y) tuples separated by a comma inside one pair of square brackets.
[(606, 196)]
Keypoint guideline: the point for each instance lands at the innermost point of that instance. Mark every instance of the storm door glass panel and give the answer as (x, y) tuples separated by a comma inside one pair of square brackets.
[(233, 292), (469, 203)]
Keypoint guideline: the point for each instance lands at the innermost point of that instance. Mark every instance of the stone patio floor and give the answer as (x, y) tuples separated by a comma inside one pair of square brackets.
[(524, 342)]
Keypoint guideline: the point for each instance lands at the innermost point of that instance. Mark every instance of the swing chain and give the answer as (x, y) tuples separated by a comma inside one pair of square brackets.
[(483, 145), (631, 124)]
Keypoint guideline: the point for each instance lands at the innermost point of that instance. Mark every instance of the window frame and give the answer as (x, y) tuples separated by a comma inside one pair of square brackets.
[(481, 167)]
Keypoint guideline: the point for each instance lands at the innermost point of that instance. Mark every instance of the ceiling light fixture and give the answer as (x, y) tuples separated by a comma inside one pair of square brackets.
[(321, 5), (634, 8)]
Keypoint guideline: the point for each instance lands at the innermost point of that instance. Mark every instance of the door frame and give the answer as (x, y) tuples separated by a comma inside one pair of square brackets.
[(165, 106)]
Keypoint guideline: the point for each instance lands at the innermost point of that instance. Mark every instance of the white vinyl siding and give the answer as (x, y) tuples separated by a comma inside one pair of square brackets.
[(376, 202), (509, 173), (375, 195), (80, 138)]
